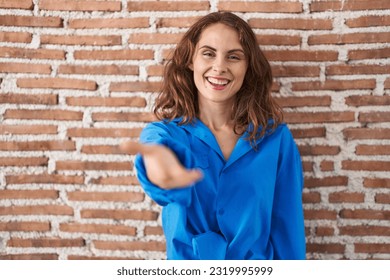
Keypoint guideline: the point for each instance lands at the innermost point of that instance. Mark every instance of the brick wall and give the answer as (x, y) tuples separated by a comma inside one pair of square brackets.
[(78, 77)]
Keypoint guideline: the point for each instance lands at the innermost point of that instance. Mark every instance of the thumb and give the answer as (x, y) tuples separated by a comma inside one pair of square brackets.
[(188, 177)]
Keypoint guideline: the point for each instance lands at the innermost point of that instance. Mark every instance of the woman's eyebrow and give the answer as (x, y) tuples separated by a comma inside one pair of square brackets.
[(214, 49)]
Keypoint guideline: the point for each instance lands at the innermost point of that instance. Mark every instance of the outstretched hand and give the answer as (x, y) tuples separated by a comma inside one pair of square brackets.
[(162, 166)]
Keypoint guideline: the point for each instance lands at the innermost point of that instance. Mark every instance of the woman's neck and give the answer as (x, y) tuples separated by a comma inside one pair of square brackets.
[(216, 117)]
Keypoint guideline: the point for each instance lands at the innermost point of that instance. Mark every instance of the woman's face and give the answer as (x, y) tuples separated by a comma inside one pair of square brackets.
[(219, 64)]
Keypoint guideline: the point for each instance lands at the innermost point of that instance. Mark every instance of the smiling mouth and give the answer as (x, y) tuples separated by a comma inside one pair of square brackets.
[(219, 83)]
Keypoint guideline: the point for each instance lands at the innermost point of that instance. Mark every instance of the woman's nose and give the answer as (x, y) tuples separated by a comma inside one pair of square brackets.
[(219, 65)]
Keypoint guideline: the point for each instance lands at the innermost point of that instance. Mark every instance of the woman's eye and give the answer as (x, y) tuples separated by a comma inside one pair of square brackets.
[(234, 57), (208, 54)]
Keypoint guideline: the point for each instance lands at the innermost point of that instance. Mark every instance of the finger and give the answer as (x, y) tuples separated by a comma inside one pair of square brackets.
[(131, 147)]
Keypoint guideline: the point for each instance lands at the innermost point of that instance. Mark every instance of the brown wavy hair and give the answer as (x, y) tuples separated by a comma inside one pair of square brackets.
[(254, 105)]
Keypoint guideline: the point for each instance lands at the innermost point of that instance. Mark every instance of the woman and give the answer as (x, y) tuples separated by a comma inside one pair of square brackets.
[(220, 161)]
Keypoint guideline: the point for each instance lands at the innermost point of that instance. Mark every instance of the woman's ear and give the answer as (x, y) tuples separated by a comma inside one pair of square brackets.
[(191, 66)]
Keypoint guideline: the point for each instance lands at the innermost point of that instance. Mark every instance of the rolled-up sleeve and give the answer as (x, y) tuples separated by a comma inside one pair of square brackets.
[(158, 134)]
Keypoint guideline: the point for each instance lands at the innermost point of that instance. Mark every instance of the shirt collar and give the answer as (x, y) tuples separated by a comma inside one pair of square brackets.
[(198, 129)]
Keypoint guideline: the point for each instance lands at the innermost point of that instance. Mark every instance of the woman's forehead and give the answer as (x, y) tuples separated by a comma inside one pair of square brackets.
[(220, 36)]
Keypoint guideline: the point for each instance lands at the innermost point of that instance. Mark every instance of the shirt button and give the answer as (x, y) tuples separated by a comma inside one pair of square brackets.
[(221, 211)]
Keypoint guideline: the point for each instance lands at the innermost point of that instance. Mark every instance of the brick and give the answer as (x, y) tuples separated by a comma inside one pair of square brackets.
[(264, 7), (135, 6), (279, 40), (43, 179), (382, 198), (24, 161), (77, 257), (372, 248), (29, 257), (346, 197), (304, 101), (86, 6), (63, 115), (56, 83), (149, 230), (307, 166), (38, 146), (349, 5), (364, 230), (102, 23), (25, 68), (44, 99), (114, 55), (27, 53), (335, 85), (328, 248), (20, 4), (124, 117), (369, 54), (309, 132), (372, 150), (25, 226), (145, 215), (312, 197), (29, 194), (155, 38), (92, 165), (105, 196), (320, 214), (352, 38), (135, 86), (107, 101), (31, 21), (103, 132), (99, 69), (60, 210), (366, 165), (16, 37), (155, 70), (366, 133), (357, 69), (46, 242), (291, 23), (27, 129), (327, 165), (318, 150), (374, 117), (376, 182), (334, 181), (387, 83), (293, 55), (319, 117), (324, 231), (365, 214), (87, 40), (98, 228), (181, 22), (130, 245), (119, 180), (101, 149), (368, 21), (295, 71)]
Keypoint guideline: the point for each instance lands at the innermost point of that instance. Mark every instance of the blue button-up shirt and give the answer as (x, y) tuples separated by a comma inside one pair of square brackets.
[(246, 207)]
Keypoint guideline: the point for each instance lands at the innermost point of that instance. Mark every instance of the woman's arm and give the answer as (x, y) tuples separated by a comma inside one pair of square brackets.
[(287, 225)]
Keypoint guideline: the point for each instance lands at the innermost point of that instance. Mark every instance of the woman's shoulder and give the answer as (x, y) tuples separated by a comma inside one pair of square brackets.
[(168, 127)]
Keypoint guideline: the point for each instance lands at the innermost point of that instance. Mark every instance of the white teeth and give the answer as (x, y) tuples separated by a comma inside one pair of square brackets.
[(218, 81)]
